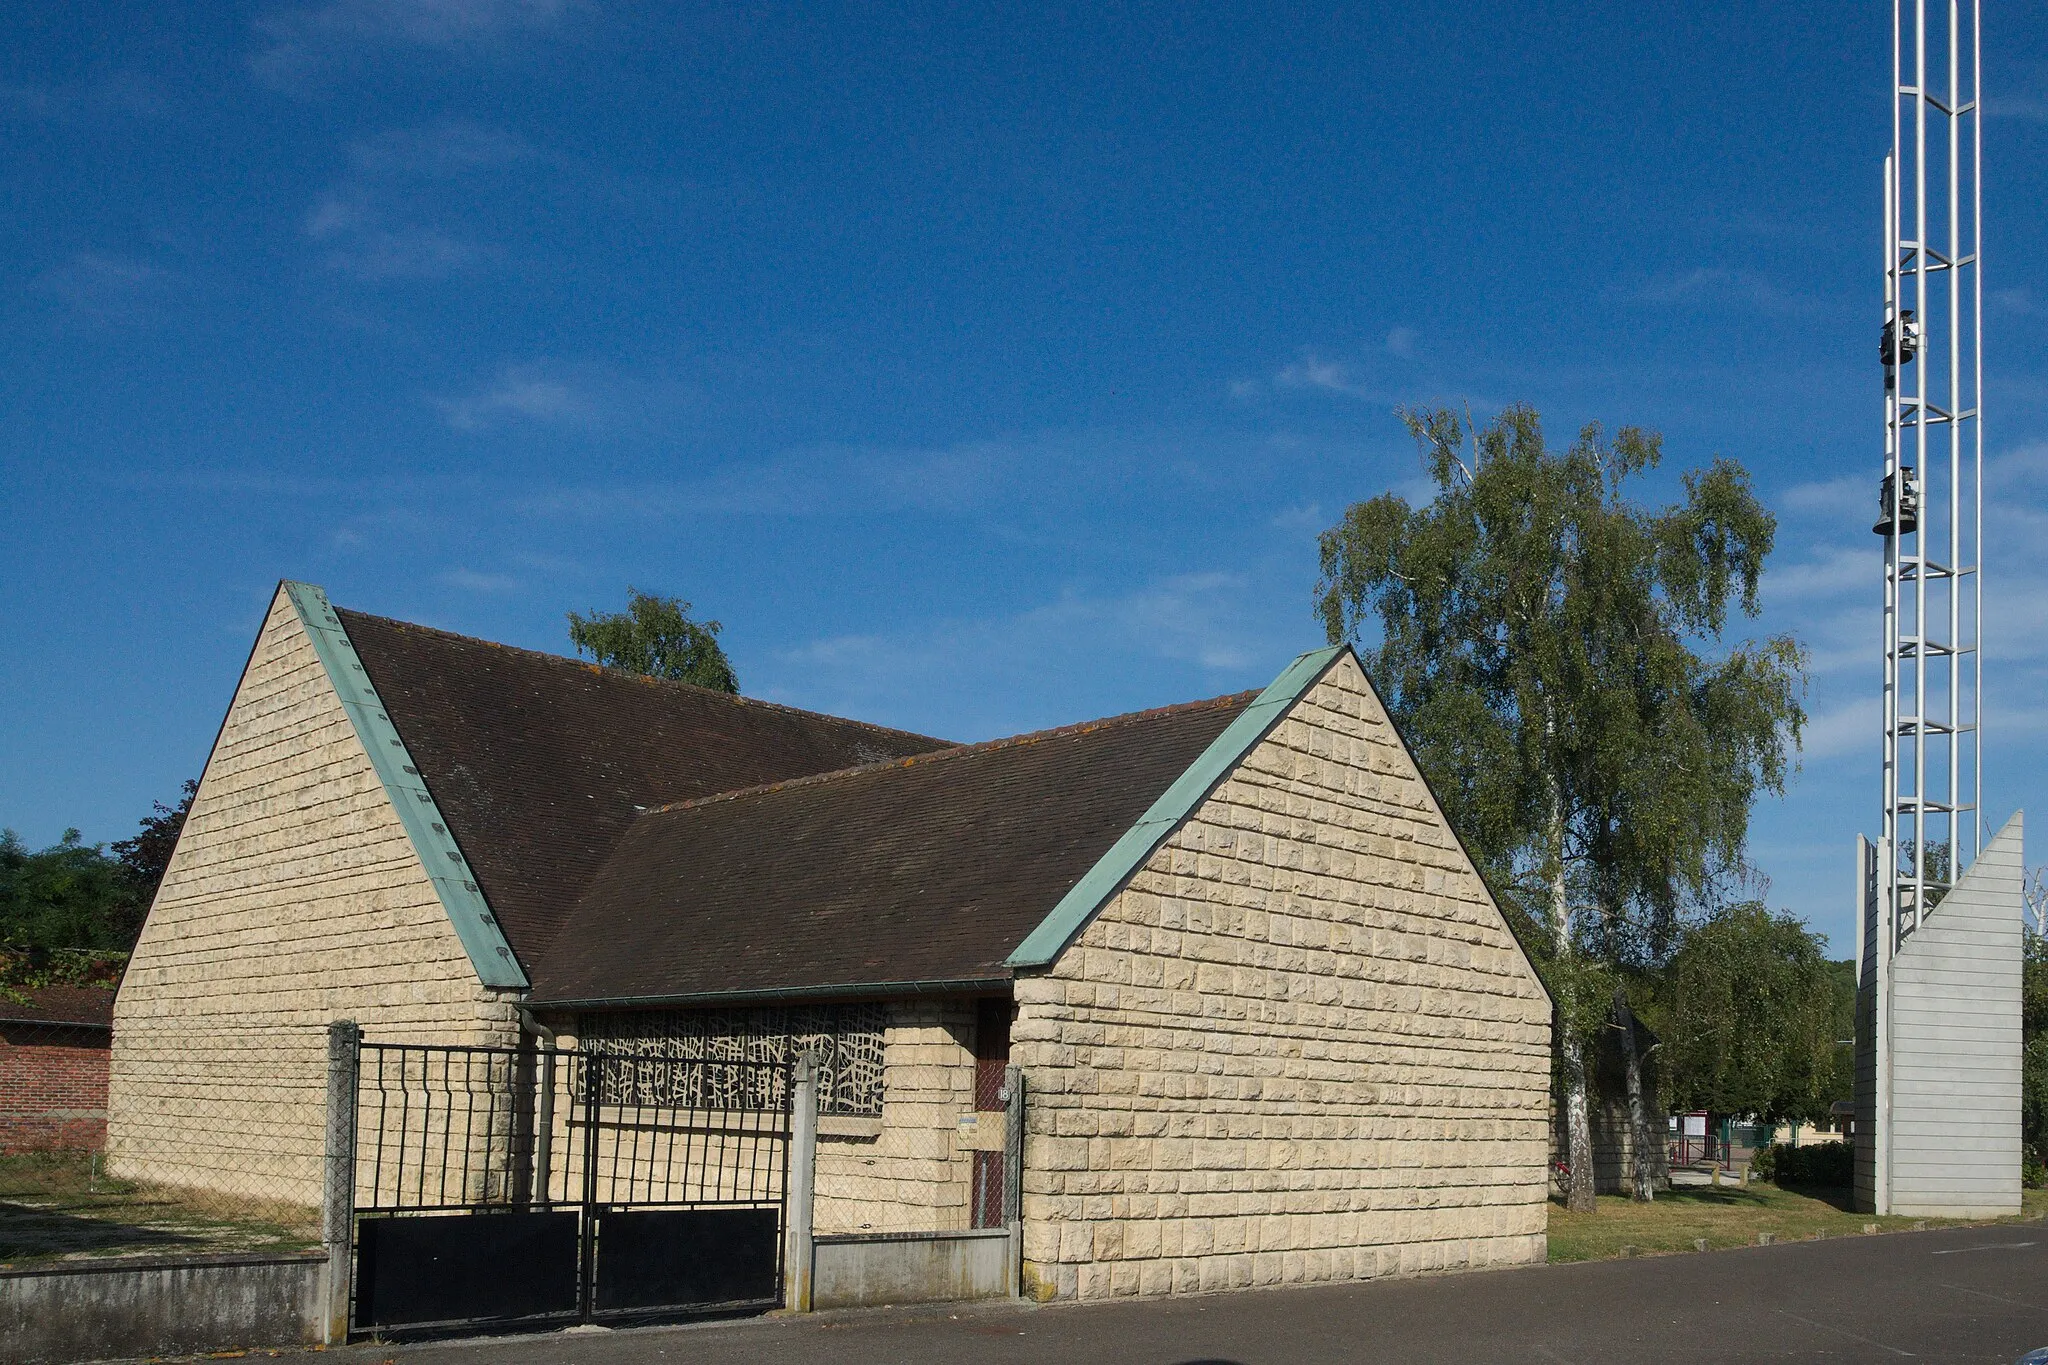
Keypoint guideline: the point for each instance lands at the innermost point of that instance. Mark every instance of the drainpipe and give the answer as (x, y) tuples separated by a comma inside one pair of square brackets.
[(543, 1108)]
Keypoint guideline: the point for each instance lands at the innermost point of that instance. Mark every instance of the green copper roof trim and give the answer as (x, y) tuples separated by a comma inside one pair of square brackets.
[(1175, 804), (467, 910)]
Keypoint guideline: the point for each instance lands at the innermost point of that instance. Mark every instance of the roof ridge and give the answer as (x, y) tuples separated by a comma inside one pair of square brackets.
[(606, 670), (956, 751)]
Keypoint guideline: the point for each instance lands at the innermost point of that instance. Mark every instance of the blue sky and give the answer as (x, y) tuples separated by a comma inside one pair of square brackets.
[(981, 367)]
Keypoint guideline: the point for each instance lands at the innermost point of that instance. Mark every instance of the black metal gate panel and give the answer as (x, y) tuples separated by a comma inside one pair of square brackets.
[(657, 1259), (502, 1188), (433, 1273)]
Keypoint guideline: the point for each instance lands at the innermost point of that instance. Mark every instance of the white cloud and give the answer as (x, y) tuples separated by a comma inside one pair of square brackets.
[(2027, 100), (1311, 371), (949, 480), (376, 222), (95, 286), (518, 391), (1848, 728), (1844, 496), (1831, 572), (1191, 618), (1295, 520), (2017, 469), (28, 100), (824, 480), (469, 580), (1373, 373), (361, 240), (1208, 623), (118, 93), (438, 150), (1716, 286), (769, 489), (298, 41)]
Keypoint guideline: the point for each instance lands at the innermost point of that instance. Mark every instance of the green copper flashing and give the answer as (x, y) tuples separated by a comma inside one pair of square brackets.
[(474, 923), (1175, 804)]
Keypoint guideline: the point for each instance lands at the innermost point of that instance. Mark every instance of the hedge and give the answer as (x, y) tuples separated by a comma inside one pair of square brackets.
[(1830, 1164)]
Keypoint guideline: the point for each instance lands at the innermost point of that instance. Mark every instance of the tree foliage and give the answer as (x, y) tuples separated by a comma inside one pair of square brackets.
[(1753, 1016), (655, 636), (69, 897), (70, 913), (1540, 635), (1540, 638), (2034, 1030), (147, 853)]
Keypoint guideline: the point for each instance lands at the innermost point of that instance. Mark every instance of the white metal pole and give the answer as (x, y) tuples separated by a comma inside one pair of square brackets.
[(1977, 825)]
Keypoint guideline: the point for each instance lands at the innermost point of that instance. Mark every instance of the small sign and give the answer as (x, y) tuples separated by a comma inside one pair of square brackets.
[(970, 1124)]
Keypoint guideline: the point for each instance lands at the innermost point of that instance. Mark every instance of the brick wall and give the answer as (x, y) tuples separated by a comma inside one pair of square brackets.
[(1300, 1045), (295, 898), (53, 1088)]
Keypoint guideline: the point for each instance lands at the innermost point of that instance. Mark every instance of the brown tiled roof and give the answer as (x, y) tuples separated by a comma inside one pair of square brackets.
[(89, 1005), (540, 763), (922, 871)]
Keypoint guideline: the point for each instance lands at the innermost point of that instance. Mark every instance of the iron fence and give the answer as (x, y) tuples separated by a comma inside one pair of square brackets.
[(445, 1129)]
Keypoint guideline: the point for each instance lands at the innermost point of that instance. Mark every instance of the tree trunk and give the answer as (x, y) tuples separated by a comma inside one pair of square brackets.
[(1644, 1172), (1578, 1126)]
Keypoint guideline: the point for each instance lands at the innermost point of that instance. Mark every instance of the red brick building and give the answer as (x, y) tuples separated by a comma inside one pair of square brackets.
[(53, 1069)]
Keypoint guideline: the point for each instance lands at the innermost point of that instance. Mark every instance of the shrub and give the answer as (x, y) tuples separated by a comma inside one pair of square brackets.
[(1829, 1164)]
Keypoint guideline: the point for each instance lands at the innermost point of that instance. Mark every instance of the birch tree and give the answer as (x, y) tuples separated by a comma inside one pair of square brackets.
[(1753, 1018), (655, 636), (1552, 651)]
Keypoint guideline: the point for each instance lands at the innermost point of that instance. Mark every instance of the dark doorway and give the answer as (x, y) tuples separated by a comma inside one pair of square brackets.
[(991, 1059)]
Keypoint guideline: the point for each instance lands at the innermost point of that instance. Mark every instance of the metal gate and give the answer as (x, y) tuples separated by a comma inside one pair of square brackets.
[(500, 1187)]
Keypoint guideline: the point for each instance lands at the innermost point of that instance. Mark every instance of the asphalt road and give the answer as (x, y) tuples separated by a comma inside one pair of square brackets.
[(1964, 1294)]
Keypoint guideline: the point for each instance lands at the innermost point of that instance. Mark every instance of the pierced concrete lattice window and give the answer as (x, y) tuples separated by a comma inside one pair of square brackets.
[(847, 1039)]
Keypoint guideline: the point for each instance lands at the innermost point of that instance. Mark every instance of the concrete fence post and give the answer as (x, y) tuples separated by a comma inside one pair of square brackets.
[(337, 1213), (797, 1255), (1013, 1175)]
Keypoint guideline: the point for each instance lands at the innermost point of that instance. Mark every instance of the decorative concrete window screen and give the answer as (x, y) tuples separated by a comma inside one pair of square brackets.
[(847, 1039)]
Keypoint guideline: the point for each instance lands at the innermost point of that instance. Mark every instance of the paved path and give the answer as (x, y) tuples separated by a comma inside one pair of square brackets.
[(1964, 1294)]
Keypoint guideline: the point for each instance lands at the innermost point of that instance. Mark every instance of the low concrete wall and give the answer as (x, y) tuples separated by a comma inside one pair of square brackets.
[(94, 1310), (868, 1269)]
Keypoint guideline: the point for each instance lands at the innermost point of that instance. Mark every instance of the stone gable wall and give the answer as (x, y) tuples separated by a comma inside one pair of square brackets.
[(1300, 1045), (294, 898)]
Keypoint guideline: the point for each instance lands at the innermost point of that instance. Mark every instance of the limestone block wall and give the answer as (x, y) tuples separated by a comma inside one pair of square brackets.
[(294, 898), (911, 1171), (1300, 1045), (908, 1170)]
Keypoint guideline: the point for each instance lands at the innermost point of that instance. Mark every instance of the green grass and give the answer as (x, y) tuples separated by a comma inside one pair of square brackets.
[(58, 1206), (1724, 1217)]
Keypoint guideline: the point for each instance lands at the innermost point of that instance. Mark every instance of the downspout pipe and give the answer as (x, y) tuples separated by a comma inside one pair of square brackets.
[(543, 1109), (529, 1024)]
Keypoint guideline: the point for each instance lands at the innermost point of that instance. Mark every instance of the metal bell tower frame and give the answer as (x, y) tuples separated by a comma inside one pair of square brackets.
[(1931, 499)]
